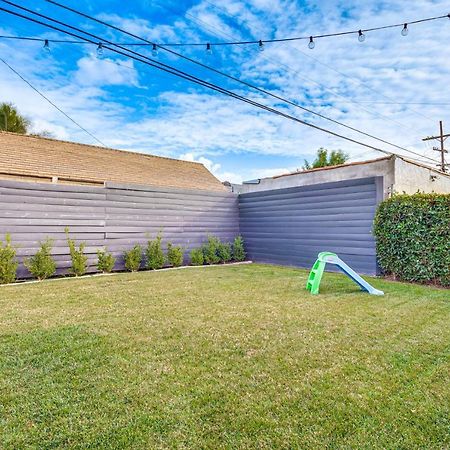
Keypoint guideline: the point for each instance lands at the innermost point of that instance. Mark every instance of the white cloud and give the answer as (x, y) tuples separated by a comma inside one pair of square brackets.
[(103, 71), (214, 168)]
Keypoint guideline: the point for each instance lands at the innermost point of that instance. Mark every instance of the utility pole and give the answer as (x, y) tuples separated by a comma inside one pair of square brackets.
[(442, 137)]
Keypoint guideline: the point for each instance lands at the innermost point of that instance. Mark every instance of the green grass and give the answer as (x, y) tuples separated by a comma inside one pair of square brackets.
[(224, 357)]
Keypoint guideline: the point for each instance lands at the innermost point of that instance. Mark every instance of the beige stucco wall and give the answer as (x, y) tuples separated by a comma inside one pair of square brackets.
[(382, 167), (398, 176), (410, 178)]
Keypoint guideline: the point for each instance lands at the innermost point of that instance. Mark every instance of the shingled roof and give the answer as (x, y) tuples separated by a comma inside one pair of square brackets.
[(41, 159)]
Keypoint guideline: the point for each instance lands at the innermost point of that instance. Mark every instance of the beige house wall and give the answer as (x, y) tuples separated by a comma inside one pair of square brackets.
[(411, 178), (398, 176)]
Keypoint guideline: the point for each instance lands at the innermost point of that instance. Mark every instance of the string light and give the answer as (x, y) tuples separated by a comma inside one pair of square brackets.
[(361, 36), (261, 43), (46, 45), (100, 49)]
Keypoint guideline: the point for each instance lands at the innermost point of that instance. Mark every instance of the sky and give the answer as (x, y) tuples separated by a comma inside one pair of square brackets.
[(390, 86)]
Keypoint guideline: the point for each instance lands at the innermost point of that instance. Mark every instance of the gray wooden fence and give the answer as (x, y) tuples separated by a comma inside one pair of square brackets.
[(291, 226), (116, 216), (284, 226)]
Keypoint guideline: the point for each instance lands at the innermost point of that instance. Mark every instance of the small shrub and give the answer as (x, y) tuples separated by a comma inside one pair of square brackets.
[(225, 252), (8, 262), (133, 258), (211, 250), (238, 249), (175, 255), (412, 235), (154, 253), (79, 259), (42, 265), (196, 256), (105, 262)]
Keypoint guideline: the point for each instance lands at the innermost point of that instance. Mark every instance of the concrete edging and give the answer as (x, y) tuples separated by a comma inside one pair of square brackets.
[(165, 269)]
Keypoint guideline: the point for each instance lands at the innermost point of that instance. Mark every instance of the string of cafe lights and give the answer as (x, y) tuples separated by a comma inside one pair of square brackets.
[(260, 43)]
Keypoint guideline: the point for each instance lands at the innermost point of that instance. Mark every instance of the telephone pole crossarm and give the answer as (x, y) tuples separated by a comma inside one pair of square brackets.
[(441, 137), (435, 137)]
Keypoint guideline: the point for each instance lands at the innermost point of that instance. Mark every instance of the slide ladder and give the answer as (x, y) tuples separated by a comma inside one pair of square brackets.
[(315, 276)]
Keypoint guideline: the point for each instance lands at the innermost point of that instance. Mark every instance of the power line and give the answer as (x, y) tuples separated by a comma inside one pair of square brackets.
[(208, 27), (361, 83), (47, 41), (223, 90), (167, 68), (51, 103), (155, 46), (395, 103), (252, 86), (224, 12)]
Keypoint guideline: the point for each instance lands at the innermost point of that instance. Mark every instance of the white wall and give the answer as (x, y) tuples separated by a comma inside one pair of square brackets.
[(410, 178), (382, 167), (398, 176)]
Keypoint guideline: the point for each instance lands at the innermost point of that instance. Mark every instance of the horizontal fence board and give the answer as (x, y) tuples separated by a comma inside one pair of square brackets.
[(335, 186), (300, 210), (309, 201), (5, 192), (40, 207), (51, 201), (25, 186)]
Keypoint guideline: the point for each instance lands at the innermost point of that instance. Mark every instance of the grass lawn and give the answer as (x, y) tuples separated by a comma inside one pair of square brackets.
[(223, 357)]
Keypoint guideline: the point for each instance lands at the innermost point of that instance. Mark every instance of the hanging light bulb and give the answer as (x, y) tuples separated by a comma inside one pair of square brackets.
[(154, 50), (46, 46), (261, 46), (405, 30), (208, 49), (311, 44), (361, 36), (100, 50)]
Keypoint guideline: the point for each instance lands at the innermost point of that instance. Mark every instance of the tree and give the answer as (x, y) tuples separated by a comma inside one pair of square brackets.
[(335, 158), (12, 120)]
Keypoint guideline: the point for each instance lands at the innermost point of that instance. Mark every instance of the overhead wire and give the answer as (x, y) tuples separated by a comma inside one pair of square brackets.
[(51, 103), (377, 114), (252, 86), (296, 72), (222, 73), (225, 13), (230, 16), (146, 60)]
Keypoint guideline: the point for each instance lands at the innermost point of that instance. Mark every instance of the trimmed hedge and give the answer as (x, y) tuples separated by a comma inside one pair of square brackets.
[(413, 237)]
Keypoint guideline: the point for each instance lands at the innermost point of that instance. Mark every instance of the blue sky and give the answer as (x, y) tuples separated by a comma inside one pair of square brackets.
[(390, 86)]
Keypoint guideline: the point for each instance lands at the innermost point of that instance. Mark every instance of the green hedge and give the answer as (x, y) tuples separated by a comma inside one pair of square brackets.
[(413, 237)]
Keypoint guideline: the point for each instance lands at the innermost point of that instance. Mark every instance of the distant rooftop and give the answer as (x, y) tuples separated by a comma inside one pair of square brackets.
[(42, 159)]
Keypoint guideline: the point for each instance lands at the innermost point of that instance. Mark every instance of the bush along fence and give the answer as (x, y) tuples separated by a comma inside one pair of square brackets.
[(152, 257), (413, 238)]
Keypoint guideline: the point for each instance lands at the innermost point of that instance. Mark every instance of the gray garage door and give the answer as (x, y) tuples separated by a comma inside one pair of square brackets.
[(291, 226)]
